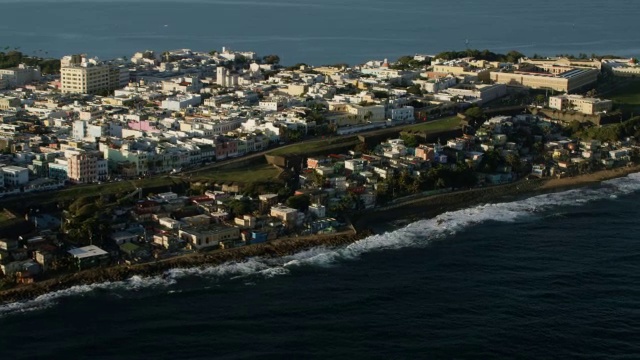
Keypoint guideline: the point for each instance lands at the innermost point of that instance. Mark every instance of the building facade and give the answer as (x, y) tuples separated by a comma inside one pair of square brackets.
[(21, 75), (82, 76), (209, 237), (9, 103), (568, 81), (589, 106), (15, 176), (82, 168)]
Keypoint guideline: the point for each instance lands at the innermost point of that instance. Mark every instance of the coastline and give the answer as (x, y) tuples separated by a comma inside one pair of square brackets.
[(409, 210)]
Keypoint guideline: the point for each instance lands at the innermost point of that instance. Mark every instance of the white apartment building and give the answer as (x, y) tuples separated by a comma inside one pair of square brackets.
[(180, 102), (404, 114), (79, 129), (20, 76), (271, 105), (15, 176), (479, 93), (226, 79)]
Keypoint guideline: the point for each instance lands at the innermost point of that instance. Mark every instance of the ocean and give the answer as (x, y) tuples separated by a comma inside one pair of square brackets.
[(319, 31), (551, 276)]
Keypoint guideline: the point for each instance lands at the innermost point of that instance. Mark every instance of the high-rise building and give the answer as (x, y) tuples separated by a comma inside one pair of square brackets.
[(83, 168), (89, 76), (221, 76)]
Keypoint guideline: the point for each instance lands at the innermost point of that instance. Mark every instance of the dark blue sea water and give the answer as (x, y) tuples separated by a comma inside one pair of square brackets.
[(319, 31), (553, 276)]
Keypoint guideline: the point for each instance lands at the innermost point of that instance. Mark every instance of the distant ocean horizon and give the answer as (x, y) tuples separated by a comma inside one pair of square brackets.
[(319, 31)]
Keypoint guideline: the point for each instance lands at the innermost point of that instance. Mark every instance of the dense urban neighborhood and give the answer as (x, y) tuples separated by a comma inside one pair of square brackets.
[(141, 159)]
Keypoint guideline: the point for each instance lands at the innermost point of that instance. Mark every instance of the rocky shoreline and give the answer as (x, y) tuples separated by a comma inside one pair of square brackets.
[(409, 209)]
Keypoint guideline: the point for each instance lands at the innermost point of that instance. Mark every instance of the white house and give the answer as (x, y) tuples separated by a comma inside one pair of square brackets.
[(15, 176)]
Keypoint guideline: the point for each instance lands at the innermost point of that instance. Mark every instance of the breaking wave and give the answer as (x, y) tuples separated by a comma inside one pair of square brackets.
[(417, 234)]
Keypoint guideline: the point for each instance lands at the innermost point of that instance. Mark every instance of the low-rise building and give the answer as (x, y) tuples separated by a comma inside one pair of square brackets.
[(288, 215), (15, 176), (9, 103), (567, 81), (585, 105), (208, 237), (89, 256)]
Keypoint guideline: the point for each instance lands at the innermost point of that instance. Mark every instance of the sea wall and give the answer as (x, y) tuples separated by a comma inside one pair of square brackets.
[(276, 248)]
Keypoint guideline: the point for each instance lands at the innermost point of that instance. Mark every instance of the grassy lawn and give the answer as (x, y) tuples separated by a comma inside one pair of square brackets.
[(254, 174), (449, 123), (627, 97), (315, 146)]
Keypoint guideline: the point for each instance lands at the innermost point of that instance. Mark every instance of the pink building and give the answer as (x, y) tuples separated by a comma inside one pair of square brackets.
[(83, 168), (142, 125), (425, 152), (226, 148)]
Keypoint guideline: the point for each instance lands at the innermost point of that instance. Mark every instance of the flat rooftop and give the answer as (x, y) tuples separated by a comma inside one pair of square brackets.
[(87, 251)]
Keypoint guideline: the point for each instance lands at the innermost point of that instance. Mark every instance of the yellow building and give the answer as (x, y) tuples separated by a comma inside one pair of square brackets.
[(589, 106), (7, 103), (214, 236), (351, 114), (576, 63), (288, 215), (84, 80), (567, 81), (79, 75)]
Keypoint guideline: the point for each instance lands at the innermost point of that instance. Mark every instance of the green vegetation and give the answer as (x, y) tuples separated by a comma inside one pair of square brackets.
[(316, 146), (83, 224), (445, 124), (241, 207), (300, 202), (15, 58), (437, 178), (271, 59), (408, 62), (254, 174), (612, 132), (511, 56), (627, 98)]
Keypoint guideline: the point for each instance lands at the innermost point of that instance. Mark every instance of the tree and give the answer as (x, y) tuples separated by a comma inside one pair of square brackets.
[(540, 99), (300, 202), (381, 94), (410, 140), (240, 207), (271, 59), (414, 90), (475, 115), (513, 160), (362, 148)]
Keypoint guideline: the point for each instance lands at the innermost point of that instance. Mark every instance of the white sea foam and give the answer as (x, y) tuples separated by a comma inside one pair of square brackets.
[(134, 283), (419, 233)]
